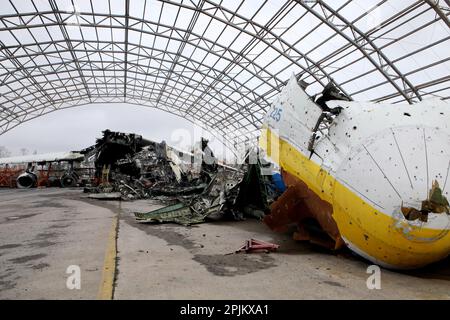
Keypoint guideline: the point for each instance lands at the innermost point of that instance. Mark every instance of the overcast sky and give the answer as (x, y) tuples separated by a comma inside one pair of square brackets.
[(77, 128)]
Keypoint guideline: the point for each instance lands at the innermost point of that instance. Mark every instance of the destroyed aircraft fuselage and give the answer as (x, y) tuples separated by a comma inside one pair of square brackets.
[(200, 186), (114, 146), (135, 167), (359, 173), (228, 193)]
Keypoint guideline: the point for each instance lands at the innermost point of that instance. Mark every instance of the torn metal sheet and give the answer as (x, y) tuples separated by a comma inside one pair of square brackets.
[(229, 194), (178, 213), (435, 203), (312, 215), (141, 169)]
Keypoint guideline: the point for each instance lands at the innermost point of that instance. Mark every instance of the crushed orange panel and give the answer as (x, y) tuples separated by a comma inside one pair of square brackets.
[(313, 216)]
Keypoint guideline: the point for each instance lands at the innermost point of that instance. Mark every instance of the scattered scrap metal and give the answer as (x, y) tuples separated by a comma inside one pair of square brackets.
[(230, 193), (253, 245), (194, 185)]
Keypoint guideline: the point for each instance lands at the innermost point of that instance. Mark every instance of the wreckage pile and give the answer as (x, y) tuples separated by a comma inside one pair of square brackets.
[(194, 185)]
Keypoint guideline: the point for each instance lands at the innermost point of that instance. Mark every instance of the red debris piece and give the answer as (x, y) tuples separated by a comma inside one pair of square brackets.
[(254, 245)]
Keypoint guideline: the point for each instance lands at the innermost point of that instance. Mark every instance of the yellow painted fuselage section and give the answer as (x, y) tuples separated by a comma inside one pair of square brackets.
[(374, 234)]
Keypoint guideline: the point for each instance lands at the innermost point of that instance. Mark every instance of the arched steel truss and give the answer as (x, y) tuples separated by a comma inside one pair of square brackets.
[(217, 63)]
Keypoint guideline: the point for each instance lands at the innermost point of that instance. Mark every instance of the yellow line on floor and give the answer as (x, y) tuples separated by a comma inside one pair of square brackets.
[(106, 289)]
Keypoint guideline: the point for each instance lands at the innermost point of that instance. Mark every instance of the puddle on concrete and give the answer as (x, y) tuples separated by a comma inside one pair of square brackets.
[(47, 235), (165, 232), (235, 264), (40, 266), (42, 244), (47, 204), (10, 246), (7, 285), (59, 226), (24, 259)]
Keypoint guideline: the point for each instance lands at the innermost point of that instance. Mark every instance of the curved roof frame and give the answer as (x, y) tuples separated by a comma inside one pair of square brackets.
[(217, 63)]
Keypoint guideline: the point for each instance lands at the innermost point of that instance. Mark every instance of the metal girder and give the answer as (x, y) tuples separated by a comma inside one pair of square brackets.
[(383, 59), (439, 10), (127, 30), (67, 40), (211, 61)]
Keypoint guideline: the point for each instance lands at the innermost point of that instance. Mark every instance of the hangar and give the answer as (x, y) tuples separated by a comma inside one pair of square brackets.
[(220, 64)]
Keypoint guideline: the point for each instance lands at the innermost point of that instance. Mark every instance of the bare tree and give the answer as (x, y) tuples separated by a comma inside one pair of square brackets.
[(24, 151), (4, 152)]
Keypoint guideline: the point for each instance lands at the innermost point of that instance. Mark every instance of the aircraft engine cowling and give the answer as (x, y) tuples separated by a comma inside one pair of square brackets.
[(69, 179), (26, 180)]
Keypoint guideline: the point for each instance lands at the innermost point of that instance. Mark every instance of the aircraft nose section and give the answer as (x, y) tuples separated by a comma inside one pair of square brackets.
[(403, 169)]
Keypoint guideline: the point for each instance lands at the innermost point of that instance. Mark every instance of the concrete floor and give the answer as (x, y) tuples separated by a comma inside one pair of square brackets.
[(42, 232)]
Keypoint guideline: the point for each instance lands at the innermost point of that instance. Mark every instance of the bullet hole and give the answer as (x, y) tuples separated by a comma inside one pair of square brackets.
[(407, 114)]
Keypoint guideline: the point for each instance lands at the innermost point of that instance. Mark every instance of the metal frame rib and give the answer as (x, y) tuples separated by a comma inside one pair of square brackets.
[(214, 62)]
